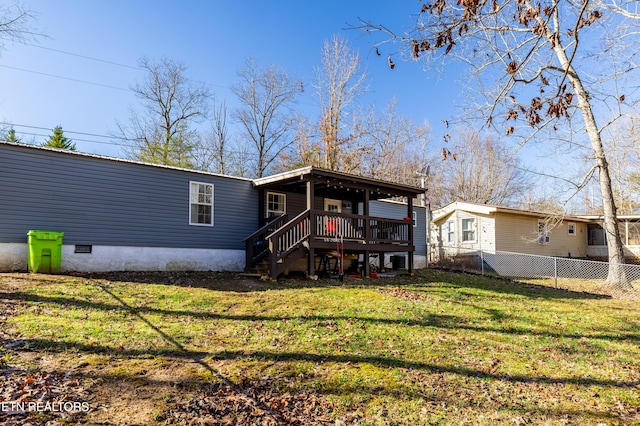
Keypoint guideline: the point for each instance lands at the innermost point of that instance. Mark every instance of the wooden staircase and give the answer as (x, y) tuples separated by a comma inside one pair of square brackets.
[(272, 249), (259, 270)]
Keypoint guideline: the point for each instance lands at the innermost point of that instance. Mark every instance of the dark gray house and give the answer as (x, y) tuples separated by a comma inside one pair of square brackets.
[(124, 215)]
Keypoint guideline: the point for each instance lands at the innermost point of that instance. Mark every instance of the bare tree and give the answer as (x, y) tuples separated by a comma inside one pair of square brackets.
[(220, 138), (266, 96), (305, 150), (547, 59), (383, 145), (161, 132), (240, 160), (14, 24), (339, 81), (395, 148), (624, 152), (543, 204), (481, 170), (213, 153)]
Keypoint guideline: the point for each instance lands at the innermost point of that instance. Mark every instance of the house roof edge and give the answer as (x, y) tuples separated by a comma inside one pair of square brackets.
[(120, 160)]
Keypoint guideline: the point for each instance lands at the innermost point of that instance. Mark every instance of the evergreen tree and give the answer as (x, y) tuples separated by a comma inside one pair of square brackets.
[(10, 136), (59, 140)]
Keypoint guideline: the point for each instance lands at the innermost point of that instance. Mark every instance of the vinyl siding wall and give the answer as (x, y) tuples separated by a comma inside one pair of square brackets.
[(394, 210), (99, 201), (485, 232), (517, 233)]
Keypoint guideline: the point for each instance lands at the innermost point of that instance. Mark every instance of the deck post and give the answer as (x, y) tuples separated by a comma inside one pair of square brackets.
[(367, 270), (367, 232), (367, 220), (311, 264), (411, 243), (272, 261)]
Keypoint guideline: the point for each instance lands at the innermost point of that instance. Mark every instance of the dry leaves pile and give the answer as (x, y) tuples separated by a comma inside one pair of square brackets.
[(47, 399), (264, 403), (404, 294), (35, 398)]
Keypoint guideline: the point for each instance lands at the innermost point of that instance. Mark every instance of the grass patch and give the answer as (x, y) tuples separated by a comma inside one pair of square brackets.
[(437, 348)]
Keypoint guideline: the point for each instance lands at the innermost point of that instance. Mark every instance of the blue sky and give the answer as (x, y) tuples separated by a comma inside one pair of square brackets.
[(213, 39)]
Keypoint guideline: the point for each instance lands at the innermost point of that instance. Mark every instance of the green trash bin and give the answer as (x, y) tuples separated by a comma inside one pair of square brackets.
[(45, 251)]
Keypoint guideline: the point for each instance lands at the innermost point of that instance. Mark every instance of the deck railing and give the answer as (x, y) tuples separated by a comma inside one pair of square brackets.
[(280, 238), (339, 225), (289, 237), (392, 231), (352, 227)]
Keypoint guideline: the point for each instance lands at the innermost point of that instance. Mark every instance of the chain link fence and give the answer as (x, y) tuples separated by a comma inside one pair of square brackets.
[(618, 281)]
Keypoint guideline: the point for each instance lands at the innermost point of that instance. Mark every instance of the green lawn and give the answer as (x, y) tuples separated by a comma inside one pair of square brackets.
[(437, 348)]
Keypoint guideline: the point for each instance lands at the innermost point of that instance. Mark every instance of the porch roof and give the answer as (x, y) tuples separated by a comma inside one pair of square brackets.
[(331, 183)]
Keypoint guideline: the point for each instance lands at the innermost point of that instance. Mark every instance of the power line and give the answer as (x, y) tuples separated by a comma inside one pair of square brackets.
[(73, 140), (86, 57), (250, 156), (137, 68), (67, 131), (121, 144), (22, 132), (65, 78)]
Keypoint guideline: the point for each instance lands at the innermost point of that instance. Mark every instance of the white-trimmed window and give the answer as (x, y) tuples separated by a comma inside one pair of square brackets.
[(200, 204), (468, 230), (571, 228), (276, 204), (451, 232), (543, 237), (633, 233)]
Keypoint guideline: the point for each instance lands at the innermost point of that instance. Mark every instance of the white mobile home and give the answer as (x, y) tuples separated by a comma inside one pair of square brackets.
[(473, 227)]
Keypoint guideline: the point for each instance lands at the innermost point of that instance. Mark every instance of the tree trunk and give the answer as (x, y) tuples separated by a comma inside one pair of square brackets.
[(615, 248)]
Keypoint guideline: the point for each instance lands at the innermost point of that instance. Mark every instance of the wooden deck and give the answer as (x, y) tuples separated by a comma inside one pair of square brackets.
[(287, 239), (283, 240)]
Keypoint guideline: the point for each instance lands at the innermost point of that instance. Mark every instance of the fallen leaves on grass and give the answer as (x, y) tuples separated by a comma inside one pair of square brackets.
[(35, 398), (263, 403), (402, 293)]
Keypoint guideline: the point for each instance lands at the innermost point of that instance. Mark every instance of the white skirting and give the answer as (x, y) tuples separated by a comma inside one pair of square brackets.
[(13, 257)]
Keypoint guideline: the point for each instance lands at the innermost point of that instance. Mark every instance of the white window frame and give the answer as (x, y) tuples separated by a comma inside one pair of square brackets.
[(572, 229), (451, 231), (274, 213), (195, 201), (543, 233), (472, 229)]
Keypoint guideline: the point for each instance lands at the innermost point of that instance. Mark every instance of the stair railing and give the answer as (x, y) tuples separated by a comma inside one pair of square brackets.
[(286, 239), (256, 244)]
